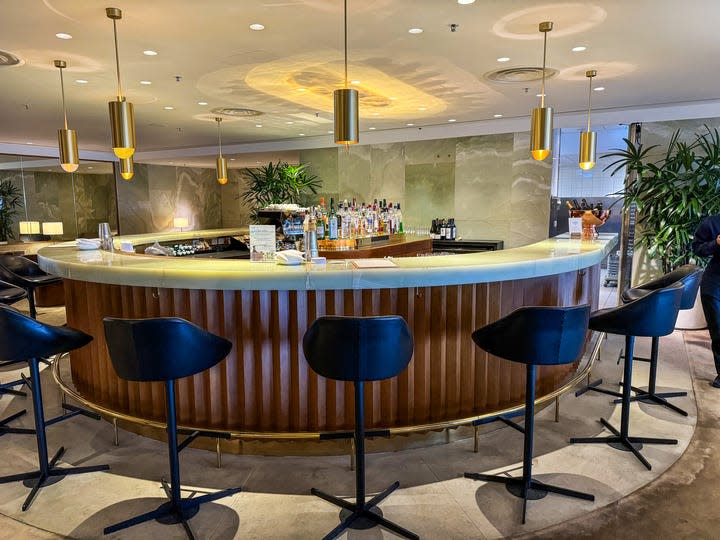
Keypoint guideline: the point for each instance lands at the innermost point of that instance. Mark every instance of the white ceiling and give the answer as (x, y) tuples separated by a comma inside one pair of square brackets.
[(646, 52)]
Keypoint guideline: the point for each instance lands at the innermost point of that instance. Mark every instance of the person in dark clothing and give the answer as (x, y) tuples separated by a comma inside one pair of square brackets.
[(707, 244)]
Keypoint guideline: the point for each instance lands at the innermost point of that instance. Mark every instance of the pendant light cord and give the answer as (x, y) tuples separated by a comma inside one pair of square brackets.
[(62, 90), (218, 120), (589, 103), (542, 90), (117, 61), (346, 78)]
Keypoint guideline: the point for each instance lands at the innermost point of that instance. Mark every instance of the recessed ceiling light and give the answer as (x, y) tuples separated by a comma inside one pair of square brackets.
[(599, 88), (372, 128), (497, 115), (301, 134), (503, 59), (81, 81), (579, 48), (232, 159), (257, 26), (150, 53), (62, 35), (89, 167), (422, 108), (29, 143), (416, 30), (376, 114), (301, 89), (146, 82), (393, 98), (538, 95), (258, 125), (410, 124), (355, 82), (330, 131), (289, 122), (465, 2), (452, 120), (168, 108), (202, 102)]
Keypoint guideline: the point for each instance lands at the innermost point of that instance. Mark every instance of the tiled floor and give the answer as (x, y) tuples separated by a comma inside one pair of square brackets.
[(434, 500)]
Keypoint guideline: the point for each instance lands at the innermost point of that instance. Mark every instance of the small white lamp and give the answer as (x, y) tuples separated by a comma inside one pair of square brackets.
[(52, 228), (29, 227), (180, 223)]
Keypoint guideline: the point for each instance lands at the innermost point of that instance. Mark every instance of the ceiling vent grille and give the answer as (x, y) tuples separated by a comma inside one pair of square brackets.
[(524, 74), (8, 59), (236, 111)]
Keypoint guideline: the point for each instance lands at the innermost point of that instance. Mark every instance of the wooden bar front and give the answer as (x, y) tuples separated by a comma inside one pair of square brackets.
[(265, 384)]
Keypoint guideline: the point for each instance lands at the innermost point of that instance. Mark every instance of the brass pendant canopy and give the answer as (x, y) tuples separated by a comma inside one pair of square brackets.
[(122, 118), (588, 139), (346, 105), (127, 168), (221, 162), (67, 138), (346, 116), (542, 116)]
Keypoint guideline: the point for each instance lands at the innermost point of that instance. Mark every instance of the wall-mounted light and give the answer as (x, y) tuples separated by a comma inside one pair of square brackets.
[(52, 228), (127, 168), (542, 116), (221, 162), (67, 138), (29, 227), (346, 106), (180, 223), (588, 139), (122, 121)]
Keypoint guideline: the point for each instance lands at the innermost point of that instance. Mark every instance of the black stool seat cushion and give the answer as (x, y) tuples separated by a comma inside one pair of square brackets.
[(162, 348), (9, 293), (537, 335), (23, 272), (362, 348), (653, 314), (22, 338), (688, 274)]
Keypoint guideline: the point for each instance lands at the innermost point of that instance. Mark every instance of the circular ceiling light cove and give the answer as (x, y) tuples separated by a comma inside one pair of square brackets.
[(522, 74), (236, 111)]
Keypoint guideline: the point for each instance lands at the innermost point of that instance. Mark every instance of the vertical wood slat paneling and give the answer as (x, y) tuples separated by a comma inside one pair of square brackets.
[(265, 383)]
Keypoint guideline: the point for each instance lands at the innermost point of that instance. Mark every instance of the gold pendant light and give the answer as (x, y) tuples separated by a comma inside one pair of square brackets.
[(122, 121), (221, 162), (588, 139), (346, 107), (127, 168), (542, 116), (67, 138)]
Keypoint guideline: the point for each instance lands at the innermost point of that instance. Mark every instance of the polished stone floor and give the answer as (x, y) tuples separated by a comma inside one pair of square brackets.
[(434, 500)]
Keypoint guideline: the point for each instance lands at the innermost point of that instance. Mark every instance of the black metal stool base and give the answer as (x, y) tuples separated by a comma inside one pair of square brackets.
[(362, 515), (4, 428), (595, 387), (622, 442), (656, 398), (45, 477), (173, 512)]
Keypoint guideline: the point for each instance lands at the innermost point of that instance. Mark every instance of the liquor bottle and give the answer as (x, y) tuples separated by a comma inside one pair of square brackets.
[(453, 229), (443, 230), (399, 218), (332, 222), (320, 222)]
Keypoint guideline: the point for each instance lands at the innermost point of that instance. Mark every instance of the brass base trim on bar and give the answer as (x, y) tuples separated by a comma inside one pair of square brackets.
[(306, 436)]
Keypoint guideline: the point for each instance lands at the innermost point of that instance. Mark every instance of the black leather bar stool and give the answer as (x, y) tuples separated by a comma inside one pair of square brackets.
[(534, 336), (689, 275), (359, 349), (23, 338), (24, 273), (9, 294), (652, 315), (164, 349)]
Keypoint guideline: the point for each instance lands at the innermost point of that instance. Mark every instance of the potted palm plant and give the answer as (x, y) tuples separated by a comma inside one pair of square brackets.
[(672, 194), (10, 204), (277, 183)]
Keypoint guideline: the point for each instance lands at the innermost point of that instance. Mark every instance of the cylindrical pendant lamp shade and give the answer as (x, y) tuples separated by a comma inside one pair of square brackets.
[(588, 141), (346, 116), (541, 132), (67, 142), (221, 168), (122, 126), (127, 168)]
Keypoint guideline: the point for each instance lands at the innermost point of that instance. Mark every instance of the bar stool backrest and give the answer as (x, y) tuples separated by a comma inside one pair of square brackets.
[(162, 348), (537, 335), (22, 338), (358, 348), (15, 266), (688, 274), (651, 315)]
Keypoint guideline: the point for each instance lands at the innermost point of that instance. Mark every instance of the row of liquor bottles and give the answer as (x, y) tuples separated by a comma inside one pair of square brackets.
[(352, 220), (443, 229)]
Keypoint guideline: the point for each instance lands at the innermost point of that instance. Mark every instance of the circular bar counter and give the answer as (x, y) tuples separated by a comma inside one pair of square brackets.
[(264, 386)]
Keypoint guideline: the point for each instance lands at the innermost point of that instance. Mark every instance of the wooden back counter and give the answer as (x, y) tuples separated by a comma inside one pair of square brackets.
[(265, 386)]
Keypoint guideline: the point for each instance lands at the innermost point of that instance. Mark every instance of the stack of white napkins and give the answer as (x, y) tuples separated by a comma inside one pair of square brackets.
[(87, 243), (290, 257)]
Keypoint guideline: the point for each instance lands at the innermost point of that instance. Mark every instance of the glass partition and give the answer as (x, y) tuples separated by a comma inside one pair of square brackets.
[(57, 205)]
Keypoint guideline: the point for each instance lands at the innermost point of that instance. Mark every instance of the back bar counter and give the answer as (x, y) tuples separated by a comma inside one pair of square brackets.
[(264, 386)]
